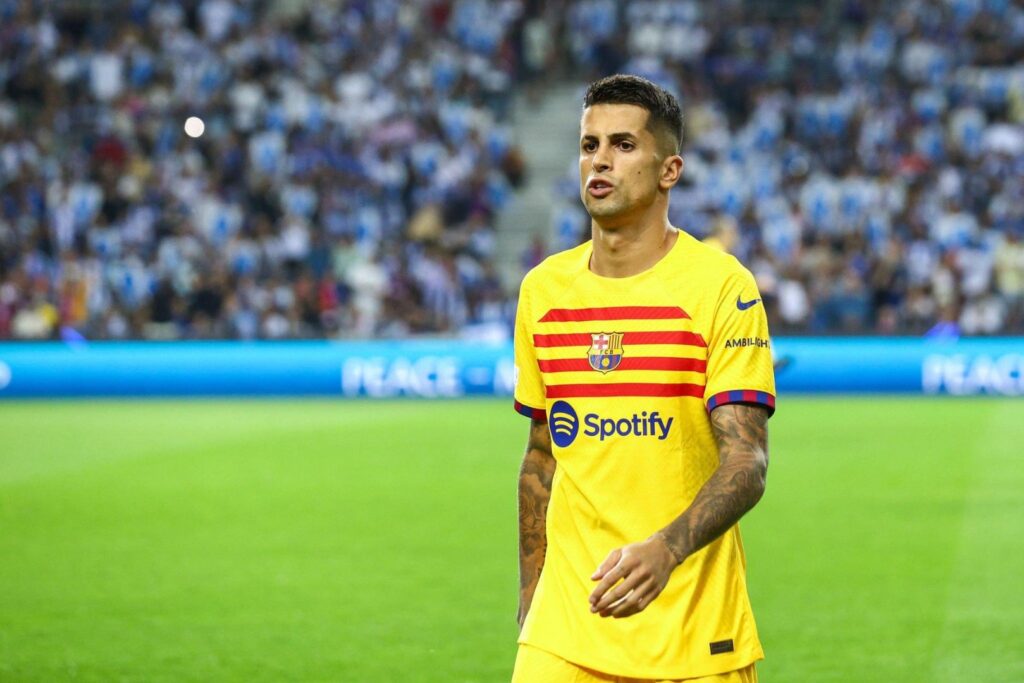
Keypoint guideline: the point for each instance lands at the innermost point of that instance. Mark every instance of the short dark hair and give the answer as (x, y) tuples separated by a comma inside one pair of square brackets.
[(665, 114)]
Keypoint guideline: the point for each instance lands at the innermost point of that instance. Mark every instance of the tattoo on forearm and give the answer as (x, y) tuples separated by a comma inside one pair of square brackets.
[(535, 478), (733, 489)]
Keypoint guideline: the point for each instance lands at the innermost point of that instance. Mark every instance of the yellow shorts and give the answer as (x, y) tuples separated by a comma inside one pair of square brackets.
[(534, 665)]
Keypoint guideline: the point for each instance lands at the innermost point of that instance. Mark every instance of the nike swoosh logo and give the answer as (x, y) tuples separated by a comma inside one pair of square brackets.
[(744, 305)]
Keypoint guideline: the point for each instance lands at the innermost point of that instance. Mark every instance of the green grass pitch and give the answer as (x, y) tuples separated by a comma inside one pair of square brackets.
[(364, 542)]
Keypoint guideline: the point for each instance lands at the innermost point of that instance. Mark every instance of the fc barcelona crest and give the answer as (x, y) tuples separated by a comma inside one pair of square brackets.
[(605, 352)]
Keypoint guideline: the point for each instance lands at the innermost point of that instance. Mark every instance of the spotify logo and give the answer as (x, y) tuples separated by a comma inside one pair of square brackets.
[(563, 423)]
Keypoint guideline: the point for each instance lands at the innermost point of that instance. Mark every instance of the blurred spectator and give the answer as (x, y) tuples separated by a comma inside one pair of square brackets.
[(1009, 267), (368, 281)]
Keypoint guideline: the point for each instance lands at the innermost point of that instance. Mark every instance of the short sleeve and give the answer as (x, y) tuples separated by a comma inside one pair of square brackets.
[(529, 385), (740, 366)]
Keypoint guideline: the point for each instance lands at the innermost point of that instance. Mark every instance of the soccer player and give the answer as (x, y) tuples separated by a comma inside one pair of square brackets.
[(643, 361)]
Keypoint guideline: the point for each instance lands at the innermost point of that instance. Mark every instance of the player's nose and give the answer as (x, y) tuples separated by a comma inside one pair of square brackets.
[(602, 161)]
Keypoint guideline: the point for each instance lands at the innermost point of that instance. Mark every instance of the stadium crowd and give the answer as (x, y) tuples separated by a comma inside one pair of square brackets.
[(866, 158), (352, 163)]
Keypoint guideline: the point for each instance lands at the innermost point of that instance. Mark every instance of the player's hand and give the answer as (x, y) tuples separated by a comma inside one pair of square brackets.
[(641, 571)]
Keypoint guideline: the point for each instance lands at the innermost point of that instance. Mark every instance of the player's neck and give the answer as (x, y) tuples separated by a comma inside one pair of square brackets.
[(630, 249)]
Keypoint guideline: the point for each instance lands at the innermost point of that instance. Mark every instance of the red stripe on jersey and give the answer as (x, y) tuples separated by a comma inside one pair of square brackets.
[(583, 339), (624, 389), (627, 363), (564, 315)]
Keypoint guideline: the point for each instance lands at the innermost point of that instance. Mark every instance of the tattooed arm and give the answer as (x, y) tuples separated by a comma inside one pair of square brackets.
[(733, 489), (534, 492)]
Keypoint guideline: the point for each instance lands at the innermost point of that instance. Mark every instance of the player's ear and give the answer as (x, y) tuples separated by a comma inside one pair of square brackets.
[(671, 171)]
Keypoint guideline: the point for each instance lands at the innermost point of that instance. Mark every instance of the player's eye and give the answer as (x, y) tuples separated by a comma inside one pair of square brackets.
[(626, 146), (589, 146)]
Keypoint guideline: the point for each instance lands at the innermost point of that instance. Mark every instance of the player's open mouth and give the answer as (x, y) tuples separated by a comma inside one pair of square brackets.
[(599, 188)]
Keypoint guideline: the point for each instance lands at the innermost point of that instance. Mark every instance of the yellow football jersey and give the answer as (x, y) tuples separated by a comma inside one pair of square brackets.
[(626, 370)]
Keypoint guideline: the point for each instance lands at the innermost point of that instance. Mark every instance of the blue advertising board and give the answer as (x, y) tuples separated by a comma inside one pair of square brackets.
[(901, 365), (450, 368)]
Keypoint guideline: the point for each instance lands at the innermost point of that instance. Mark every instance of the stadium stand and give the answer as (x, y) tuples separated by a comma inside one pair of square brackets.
[(870, 156), (352, 162), (874, 167)]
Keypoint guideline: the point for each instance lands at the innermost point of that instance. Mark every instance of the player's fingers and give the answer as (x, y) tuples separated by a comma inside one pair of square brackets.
[(611, 577), (617, 608), (609, 562), (633, 603), (642, 594), (626, 608), (617, 593), (609, 580)]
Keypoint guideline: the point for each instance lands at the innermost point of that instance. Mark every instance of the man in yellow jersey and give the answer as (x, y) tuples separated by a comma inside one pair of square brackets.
[(643, 360)]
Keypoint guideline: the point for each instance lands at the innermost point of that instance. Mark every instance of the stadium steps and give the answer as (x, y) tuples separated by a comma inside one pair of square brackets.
[(546, 131)]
